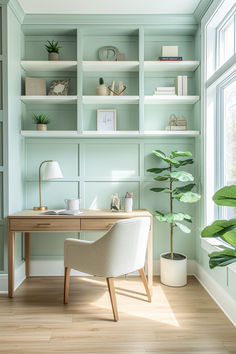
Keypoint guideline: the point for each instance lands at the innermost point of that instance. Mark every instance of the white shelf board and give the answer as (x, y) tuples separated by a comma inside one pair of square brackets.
[(46, 65), (171, 65), (110, 65), (164, 99), (49, 99), (190, 133), (111, 99), (49, 133), (100, 134), (117, 133)]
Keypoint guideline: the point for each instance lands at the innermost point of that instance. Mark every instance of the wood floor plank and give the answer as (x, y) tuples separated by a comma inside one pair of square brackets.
[(179, 320)]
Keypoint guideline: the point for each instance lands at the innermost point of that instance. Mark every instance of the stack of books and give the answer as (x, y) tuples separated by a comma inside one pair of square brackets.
[(181, 84), (170, 58), (164, 91)]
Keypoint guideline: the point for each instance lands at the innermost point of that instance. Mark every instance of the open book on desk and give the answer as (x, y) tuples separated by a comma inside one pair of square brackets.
[(62, 212)]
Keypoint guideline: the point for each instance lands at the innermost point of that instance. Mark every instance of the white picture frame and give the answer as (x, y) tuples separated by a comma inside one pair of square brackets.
[(106, 120)]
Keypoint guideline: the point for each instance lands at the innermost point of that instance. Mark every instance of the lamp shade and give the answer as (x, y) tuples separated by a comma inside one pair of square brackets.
[(52, 170)]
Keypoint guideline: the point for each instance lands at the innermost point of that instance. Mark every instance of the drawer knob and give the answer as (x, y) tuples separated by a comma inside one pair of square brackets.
[(109, 226)]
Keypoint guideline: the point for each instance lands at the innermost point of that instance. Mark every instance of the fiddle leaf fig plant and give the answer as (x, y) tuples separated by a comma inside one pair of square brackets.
[(223, 229), (176, 192)]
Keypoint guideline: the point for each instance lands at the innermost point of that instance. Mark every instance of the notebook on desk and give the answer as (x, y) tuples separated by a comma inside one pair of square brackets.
[(62, 212)]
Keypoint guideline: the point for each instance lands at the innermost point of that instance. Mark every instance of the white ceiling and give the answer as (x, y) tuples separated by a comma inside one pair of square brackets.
[(109, 6)]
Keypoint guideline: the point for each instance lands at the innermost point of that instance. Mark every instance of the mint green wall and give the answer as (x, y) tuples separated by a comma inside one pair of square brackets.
[(96, 169)]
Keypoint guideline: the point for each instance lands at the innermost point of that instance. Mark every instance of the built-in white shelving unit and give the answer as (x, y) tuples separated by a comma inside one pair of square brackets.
[(111, 99), (45, 65), (162, 99), (49, 99), (171, 65), (110, 66)]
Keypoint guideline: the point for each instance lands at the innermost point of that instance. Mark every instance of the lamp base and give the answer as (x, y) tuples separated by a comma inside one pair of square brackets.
[(42, 208)]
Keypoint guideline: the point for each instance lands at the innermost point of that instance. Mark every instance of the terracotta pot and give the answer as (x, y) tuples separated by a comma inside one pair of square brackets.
[(101, 90), (53, 56), (42, 127)]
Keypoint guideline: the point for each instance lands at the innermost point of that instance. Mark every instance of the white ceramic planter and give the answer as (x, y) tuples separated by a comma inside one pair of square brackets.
[(173, 271), (101, 90), (53, 56), (42, 127)]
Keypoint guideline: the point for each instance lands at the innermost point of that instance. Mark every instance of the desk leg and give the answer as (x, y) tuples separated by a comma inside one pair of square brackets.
[(11, 262), (27, 254), (150, 260)]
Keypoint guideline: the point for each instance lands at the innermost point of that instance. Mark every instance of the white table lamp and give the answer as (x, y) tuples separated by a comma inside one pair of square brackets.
[(52, 171)]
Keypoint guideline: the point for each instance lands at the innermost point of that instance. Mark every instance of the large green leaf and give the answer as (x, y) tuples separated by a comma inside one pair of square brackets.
[(158, 190), (218, 228), (161, 178), (183, 227), (180, 153), (165, 158), (222, 258), (230, 237), (186, 188), (181, 176), (188, 197), (185, 162), (157, 170), (226, 196), (171, 217)]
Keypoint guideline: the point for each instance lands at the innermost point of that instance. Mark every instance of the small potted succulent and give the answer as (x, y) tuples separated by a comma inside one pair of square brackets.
[(53, 50), (41, 120), (101, 90)]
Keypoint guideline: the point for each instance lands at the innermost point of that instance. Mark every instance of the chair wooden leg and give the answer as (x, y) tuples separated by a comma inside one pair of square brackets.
[(66, 284), (144, 279), (111, 288)]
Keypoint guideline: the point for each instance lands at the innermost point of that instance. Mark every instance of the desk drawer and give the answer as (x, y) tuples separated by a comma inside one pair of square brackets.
[(97, 224), (39, 224)]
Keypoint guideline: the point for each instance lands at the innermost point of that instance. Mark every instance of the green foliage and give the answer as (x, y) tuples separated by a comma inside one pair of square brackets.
[(41, 118), (223, 229), (101, 81), (52, 47), (183, 194)]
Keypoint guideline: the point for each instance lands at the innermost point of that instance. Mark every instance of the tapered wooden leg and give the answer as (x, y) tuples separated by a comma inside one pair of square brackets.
[(144, 279), (111, 288), (150, 260), (11, 262), (27, 254), (66, 285)]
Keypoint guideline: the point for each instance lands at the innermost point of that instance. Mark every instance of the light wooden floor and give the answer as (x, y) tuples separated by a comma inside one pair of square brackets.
[(179, 320)]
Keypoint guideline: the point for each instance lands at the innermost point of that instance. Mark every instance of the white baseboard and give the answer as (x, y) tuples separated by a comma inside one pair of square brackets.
[(19, 278), (218, 294)]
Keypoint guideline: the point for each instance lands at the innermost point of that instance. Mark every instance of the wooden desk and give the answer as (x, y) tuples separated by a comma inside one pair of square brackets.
[(29, 221)]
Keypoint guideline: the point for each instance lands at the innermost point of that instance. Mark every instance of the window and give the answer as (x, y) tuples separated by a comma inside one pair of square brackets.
[(226, 38), (220, 104), (229, 104)]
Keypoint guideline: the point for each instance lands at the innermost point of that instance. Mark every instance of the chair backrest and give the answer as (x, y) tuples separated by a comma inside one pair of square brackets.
[(123, 247)]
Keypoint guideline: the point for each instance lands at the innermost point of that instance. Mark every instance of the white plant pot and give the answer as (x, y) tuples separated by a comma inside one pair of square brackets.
[(173, 271), (101, 90)]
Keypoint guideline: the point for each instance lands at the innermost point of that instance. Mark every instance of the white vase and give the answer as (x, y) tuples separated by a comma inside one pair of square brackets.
[(173, 271), (128, 205)]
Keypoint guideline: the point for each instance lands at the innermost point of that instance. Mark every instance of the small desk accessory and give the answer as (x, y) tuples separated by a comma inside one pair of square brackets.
[(52, 171)]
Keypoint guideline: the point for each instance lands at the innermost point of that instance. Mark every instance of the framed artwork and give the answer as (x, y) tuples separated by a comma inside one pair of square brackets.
[(106, 119), (59, 88)]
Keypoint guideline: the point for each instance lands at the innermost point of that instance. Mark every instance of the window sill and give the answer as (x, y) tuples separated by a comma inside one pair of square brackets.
[(210, 245)]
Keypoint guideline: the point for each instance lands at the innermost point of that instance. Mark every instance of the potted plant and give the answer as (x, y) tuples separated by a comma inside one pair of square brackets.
[(53, 50), (101, 90), (41, 120), (174, 265), (223, 229)]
